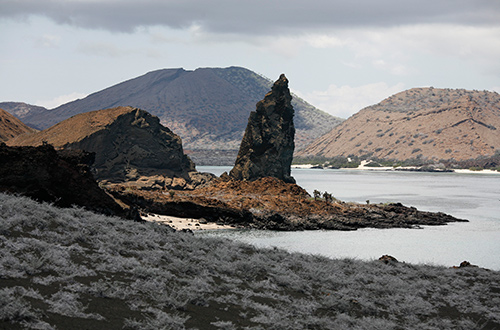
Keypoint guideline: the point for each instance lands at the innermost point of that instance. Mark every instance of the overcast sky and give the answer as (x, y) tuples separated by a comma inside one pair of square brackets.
[(338, 55)]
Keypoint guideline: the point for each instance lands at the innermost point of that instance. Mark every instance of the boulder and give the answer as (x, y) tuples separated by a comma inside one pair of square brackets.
[(268, 144), (465, 264), (387, 259)]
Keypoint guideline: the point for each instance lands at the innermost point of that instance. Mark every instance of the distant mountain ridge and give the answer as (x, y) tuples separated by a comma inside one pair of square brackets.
[(208, 107), (22, 111), (426, 123)]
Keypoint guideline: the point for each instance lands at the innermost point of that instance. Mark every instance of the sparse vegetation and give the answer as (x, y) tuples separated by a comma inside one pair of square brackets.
[(69, 266), (373, 164), (316, 194), (416, 150), (328, 197), (492, 162)]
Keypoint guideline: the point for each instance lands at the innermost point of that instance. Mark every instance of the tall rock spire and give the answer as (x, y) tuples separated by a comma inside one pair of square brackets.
[(268, 144)]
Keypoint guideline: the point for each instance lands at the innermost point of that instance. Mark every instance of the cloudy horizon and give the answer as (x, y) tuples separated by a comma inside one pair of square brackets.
[(338, 55)]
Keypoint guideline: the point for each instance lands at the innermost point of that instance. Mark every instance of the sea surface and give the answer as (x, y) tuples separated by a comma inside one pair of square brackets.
[(475, 197)]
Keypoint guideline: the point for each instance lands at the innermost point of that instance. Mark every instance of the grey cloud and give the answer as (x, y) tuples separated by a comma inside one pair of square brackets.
[(258, 17)]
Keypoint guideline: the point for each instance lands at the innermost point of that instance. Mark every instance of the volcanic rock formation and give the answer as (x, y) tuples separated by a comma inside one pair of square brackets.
[(11, 127), (267, 146), (269, 203), (62, 178), (129, 145)]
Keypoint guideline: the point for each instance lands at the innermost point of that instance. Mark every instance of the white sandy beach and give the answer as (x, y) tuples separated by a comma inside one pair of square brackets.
[(184, 223), (477, 172), (363, 167)]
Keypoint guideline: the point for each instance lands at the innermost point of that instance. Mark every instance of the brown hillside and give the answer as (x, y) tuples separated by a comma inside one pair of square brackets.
[(73, 129), (418, 123), (11, 127)]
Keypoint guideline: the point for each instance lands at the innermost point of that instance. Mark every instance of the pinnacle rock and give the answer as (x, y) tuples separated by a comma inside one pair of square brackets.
[(268, 144)]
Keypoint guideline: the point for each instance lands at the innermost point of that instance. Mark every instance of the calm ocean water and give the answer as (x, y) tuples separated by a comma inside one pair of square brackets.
[(475, 197)]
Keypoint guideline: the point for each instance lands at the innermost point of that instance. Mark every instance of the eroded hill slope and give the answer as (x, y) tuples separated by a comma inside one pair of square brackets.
[(11, 127), (418, 123)]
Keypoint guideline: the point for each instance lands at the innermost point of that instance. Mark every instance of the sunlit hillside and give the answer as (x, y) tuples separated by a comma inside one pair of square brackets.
[(423, 123)]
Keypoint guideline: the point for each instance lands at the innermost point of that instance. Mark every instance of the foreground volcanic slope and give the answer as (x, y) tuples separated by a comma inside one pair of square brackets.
[(208, 107), (73, 269), (419, 123), (11, 127)]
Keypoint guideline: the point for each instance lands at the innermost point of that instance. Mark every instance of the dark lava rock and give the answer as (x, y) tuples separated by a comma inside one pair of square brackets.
[(61, 178), (465, 264), (268, 144)]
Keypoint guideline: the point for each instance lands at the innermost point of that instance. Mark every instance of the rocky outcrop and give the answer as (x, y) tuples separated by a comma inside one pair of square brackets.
[(129, 145), (11, 127), (62, 178), (268, 144), (387, 259), (269, 203)]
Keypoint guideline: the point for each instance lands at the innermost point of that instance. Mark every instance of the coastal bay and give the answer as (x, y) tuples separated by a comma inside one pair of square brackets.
[(469, 196)]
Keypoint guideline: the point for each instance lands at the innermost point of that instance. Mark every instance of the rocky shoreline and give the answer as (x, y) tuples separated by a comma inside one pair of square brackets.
[(272, 204)]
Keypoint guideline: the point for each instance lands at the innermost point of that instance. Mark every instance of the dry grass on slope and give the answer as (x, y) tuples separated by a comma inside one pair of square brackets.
[(68, 268), (10, 126), (73, 129)]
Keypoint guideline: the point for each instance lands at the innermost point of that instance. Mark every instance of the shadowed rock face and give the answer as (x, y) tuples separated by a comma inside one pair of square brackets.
[(134, 145), (62, 178), (268, 144)]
